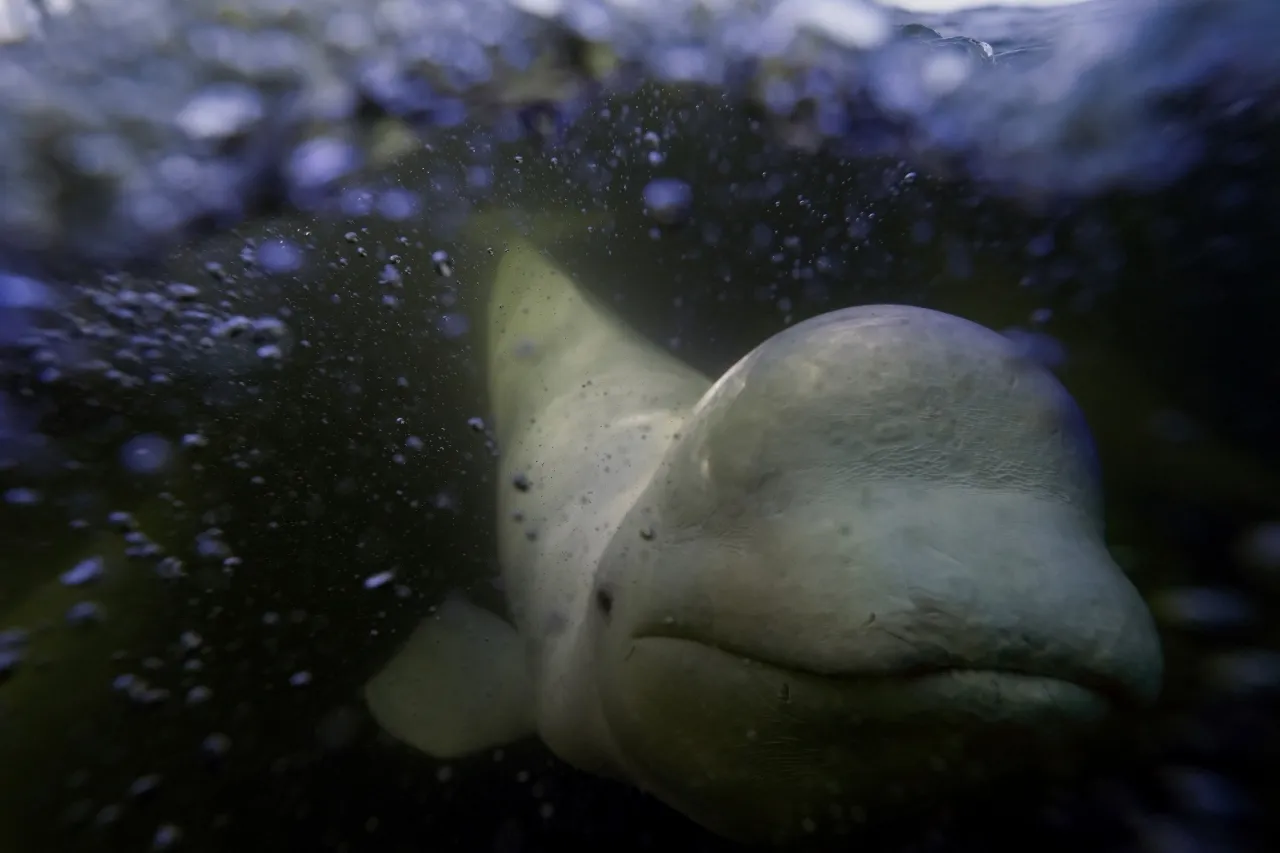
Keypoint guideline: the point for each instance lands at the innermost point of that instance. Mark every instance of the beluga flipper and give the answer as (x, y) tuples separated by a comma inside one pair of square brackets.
[(863, 564), (584, 409)]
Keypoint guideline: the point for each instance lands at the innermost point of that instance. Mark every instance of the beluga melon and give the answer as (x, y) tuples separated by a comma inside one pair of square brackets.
[(861, 566)]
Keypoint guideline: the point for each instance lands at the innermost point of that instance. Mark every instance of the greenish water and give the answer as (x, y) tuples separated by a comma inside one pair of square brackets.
[(219, 708)]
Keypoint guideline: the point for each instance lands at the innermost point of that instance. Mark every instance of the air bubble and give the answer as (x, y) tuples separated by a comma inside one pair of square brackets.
[(183, 292), (146, 454), (668, 200), (379, 579), (220, 112), (279, 256), (22, 496), (144, 785), (454, 326), (85, 572), (319, 163), (166, 838), (216, 745), (85, 613), (443, 263)]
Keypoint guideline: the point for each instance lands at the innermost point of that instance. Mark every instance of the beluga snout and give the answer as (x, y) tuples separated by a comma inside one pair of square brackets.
[(876, 553)]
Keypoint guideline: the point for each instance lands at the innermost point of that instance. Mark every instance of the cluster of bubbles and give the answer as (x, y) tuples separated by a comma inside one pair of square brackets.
[(129, 123)]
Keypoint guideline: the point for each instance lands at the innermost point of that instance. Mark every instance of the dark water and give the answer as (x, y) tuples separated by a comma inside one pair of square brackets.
[(351, 455)]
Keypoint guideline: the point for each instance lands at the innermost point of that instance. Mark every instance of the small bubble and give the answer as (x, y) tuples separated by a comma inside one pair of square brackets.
[(279, 256), (84, 572), (107, 815), (521, 481), (198, 695), (668, 200), (230, 328), (398, 204), (22, 497), (454, 326), (122, 521), (216, 745), (183, 292), (379, 579), (270, 352), (170, 568), (443, 263), (166, 838), (144, 785), (318, 163), (18, 291), (85, 613), (146, 454), (221, 111), (300, 679), (477, 424)]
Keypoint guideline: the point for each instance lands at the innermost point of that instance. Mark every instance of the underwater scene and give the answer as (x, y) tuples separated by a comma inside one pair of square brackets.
[(716, 425)]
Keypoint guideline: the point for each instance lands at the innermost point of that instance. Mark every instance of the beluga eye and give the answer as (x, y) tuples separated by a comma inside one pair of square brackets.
[(604, 600)]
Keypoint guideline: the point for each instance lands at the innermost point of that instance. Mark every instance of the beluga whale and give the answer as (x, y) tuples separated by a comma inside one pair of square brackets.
[(860, 570)]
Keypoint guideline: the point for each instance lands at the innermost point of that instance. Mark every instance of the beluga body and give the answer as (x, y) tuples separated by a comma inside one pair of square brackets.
[(862, 565)]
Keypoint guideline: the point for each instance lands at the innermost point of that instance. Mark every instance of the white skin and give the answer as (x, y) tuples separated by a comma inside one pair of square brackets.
[(865, 562)]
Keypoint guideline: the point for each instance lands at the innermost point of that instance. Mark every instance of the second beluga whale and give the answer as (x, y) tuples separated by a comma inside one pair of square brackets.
[(862, 565)]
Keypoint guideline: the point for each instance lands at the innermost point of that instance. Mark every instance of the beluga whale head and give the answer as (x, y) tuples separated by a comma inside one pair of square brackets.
[(859, 571), (871, 562)]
